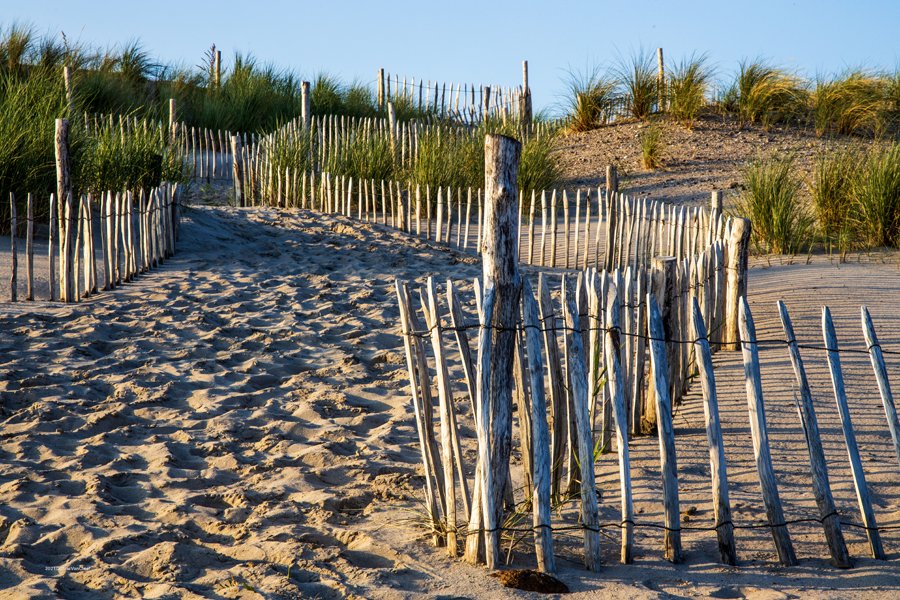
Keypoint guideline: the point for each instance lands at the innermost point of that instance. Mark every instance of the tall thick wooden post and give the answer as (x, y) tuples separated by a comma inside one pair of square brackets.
[(501, 272), (736, 284), (217, 64)]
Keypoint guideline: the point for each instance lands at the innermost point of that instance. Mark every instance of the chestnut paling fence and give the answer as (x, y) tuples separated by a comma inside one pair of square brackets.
[(584, 377)]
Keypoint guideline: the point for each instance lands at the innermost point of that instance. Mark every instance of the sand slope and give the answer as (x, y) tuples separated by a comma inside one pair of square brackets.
[(237, 424)]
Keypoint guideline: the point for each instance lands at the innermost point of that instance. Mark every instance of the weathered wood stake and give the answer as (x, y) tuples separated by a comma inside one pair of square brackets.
[(856, 468), (664, 428), (500, 268), (760, 437), (881, 374), (718, 471), (831, 521)]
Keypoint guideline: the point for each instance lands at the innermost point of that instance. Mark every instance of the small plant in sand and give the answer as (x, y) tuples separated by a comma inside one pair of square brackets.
[(653, 147), (686, 89), (781, 222), (590, 96)]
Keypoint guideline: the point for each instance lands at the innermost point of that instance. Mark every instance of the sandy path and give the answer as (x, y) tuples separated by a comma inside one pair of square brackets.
[(244, 410)]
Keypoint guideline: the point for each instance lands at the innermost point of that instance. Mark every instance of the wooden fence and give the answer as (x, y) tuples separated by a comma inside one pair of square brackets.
[(128, 233), (573, 393), (568, 367), (463, 103)]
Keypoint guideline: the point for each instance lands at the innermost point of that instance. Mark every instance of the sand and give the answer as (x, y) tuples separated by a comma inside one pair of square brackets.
[(237, 424)]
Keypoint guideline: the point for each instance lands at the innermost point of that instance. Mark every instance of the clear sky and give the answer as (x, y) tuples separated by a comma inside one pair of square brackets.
[(484, 41)]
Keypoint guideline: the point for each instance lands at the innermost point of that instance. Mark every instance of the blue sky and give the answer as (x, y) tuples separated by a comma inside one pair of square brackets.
[(484, 42)]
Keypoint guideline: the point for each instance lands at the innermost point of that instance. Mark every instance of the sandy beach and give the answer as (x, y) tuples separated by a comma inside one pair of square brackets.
[(237, 424)]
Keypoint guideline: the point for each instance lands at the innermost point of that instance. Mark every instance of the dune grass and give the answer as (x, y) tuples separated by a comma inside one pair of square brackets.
[(637, 76), (771, 199), (876, 195), (108, 160), (833, 176), (686, 89), (856, 103), (653, 147), (763, 94), (590, 96)]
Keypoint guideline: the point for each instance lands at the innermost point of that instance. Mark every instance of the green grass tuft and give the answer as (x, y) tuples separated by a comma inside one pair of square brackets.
[(781, 223), (686, 89), (590, 97), (765, 95)]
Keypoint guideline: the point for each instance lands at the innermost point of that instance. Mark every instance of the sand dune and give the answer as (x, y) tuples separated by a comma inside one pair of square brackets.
[(237, 424)]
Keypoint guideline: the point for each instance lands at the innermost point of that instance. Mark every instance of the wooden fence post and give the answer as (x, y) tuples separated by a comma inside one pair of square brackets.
[(237, 170), (392, 130), (486, 518), (660, 81), (881, 374), (543, 534), (51, 246), (612, 216), (418, 408), (715, 205), (29, 249), (760, 437), (380, 94), (501, 271), (617, 399), (173, 119), (856, 468), (305, 107), (718, 471), (14, 261), (665, 290), (818, 468), (736, 286), (666, 432), (578, 380), (218, 68), (63, 168), (526, 115)]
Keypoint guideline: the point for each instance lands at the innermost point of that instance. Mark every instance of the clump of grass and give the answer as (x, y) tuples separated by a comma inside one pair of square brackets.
[(29, 104), (638, 77), (833, 177), (855, 103), (107, 159), (876, 192), (652, 147), (538, 167), (590, 96), (686, 89), (781, 223), (366, 157), (448, 158), (765, 94)]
